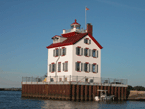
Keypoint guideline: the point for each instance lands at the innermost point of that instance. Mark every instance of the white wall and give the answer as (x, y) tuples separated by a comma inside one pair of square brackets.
[(84, 59), (62, 59)]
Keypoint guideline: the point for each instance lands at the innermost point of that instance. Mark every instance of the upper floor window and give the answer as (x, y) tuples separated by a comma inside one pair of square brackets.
[(87, 41), (59, 52), (87, 52), (95, 53), (63, 51), (79, 51)]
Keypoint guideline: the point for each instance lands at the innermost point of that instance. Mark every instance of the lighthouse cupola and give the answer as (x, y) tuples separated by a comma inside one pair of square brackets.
[(75, 25)]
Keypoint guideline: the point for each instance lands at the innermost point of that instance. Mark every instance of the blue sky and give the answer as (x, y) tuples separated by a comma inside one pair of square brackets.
[(26, 28)]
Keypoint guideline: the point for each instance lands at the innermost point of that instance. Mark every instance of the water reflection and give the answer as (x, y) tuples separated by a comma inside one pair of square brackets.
[(50, 104)]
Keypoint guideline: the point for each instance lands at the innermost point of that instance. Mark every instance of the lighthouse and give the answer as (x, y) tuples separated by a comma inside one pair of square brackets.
[(74, 53)]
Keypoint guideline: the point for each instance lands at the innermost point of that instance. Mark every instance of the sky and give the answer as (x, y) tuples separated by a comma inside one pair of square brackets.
[(27, 26)]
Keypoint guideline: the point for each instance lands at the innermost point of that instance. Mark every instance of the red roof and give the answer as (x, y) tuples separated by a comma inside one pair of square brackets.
[(75, 23), (73, 39)]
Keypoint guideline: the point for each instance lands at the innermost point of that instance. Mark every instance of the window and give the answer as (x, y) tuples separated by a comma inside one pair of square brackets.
[(56, 52), (79, 51), (63, 51), (77, 66), (86, 67), (59, 66), (94, 68), (65, 66), (94, 53), (52, 67), (59, 52), (87, 41), (86, 52), (51, 80)]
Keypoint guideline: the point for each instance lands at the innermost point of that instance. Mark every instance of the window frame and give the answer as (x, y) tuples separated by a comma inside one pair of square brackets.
[(59, 66)]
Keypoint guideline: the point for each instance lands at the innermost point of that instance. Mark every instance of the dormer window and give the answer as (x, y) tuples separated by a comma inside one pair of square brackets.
[(87, 41)]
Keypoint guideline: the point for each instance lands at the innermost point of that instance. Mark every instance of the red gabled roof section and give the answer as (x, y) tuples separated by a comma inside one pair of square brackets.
[(96, 42), (69, 34), (69, 41), (74, 38)]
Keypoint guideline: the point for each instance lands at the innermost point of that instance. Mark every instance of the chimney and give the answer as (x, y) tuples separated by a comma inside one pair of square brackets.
[(89, 28)]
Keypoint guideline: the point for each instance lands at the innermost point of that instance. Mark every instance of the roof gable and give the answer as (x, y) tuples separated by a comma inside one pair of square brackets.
[(74, 39)]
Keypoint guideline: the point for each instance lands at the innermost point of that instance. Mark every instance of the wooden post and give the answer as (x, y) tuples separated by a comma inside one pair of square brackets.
[(94, 91), (73, 92), (86, 92), (97, 91), (112, 91), (125, 93), (118, 93), (115, 91), (82, 94), (90, 92), (122, 93), (109, 90), (77, 97)]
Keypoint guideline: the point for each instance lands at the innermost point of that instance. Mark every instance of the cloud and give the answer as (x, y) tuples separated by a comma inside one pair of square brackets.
[(121, 5)]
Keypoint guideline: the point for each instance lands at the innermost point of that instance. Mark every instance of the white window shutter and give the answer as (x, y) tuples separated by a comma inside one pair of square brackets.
[(63, 66), (81, 51), (60, 52), (76, 50), (81, 66), (97, 53), (84, 66), (54, 52), (89, 41), (67, 66), (76, 66), (64, 51), (97, 68), (89, 52), (54, 67), (49, 67), (89, 68)]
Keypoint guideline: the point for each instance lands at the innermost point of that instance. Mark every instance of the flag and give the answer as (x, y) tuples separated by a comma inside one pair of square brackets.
[(87, 8)]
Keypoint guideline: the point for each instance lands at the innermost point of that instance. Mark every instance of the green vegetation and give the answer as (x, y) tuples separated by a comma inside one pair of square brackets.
[(138, 88)]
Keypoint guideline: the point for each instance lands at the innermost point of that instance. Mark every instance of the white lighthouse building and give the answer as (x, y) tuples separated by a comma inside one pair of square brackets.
[(75, 53)]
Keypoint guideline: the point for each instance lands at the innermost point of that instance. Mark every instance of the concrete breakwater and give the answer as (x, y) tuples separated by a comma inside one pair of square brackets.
[(10, 89), (136, 95)]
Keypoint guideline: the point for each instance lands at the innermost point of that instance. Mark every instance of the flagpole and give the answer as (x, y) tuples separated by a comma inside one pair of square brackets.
[(85, 17)]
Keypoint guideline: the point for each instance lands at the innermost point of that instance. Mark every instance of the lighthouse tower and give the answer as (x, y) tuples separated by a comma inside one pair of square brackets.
[(74, 53)]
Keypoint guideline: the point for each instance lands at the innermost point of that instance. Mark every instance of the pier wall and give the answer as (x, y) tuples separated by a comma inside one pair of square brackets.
[(73, 92)]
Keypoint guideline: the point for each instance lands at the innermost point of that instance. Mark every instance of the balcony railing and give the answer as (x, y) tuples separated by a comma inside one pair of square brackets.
[(77, 30), (76, 79)]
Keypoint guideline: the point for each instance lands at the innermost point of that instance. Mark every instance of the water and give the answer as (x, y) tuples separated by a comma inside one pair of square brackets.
[(13, 100)]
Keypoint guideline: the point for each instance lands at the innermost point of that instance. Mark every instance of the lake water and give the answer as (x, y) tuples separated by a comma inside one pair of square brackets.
[(13, 100)]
